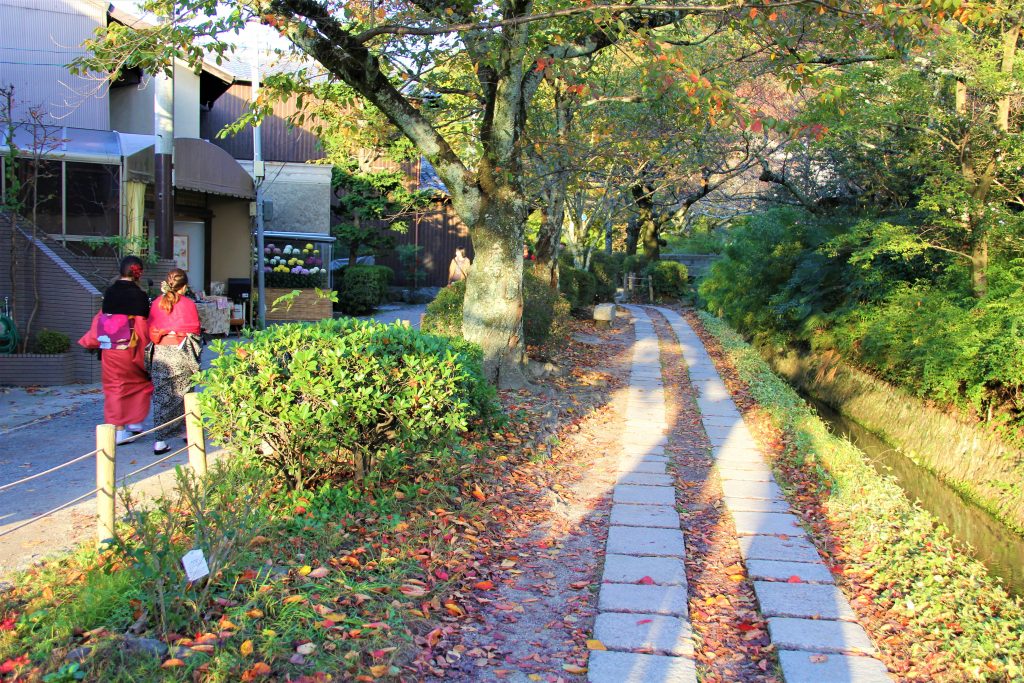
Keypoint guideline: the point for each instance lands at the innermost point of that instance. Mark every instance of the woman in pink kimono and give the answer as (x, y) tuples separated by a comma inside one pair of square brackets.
[(121, 332)]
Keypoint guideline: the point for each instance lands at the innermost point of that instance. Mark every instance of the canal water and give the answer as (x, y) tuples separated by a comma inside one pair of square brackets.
[(998, 548)]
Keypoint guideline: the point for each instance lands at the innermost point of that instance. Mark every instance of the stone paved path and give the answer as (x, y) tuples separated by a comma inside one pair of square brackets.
[(643, 618), (809, 619)]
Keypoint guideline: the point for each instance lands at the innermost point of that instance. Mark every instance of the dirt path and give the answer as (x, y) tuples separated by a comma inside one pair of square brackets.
[(535, 624)]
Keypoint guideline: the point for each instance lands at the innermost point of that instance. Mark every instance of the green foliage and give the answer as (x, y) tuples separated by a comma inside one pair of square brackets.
[(51, 342), (578, 286), (327, 401), (294, 280), (545, 312), (949, 605), (217, 516), (363, 288), (904, 313), (669, 279), (702, 237), (607, 271), (635, 264)]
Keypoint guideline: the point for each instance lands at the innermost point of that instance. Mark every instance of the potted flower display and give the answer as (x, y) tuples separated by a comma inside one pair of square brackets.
[(291, 267)]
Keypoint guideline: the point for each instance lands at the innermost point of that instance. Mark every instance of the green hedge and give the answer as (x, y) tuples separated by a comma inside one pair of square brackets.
[(51, 342), (607, 271), (669, 279), (578, 286), (363, 288), (635, 264), (545, 313), (944, 600), (327, 401)]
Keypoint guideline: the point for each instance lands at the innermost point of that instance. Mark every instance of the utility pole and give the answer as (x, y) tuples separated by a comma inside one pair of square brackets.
[(258, 174), (163, 167)]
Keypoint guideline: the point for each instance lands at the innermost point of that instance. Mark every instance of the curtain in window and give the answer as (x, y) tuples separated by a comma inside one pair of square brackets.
[(134, 210)]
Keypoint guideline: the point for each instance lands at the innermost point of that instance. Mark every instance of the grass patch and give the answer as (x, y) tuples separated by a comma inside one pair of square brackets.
[(959, 623)]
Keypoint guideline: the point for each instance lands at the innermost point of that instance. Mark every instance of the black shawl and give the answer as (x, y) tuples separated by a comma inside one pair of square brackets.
[(127, 298)]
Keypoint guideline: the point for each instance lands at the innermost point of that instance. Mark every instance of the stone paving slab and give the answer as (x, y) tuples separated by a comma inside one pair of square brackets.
[(752, 473), (768, 523), (755, 505), (643, 599), (629, 667), (816, 635), (719, 421), (798, 667), (629, 448), (736, 463), (724, 408), (646, 465), (631, 540), (644, 495), (805, 600), (660, 516), (652, 633), (775, 548), (765, 490), (649, 442), (776, 570), (664, 571), (628, 463), (646, 479)]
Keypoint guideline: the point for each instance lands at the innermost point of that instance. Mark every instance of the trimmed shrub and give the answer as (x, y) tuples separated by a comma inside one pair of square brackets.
[(545, 313), (51, 342), (607, 271), (326, 401), (669, 279), (635, 264), (578, 286), (363, 288)]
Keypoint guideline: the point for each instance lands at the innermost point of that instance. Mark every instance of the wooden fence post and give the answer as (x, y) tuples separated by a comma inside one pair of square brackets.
[(196, 438), (106, 453)]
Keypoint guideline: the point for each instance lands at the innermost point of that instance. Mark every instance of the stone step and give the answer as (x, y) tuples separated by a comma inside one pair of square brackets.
[(781, 570), (767, 523), (637, 598), (630, 667), (663, 571), (755, 505), (764, 490), (646, 479), (779, 549), (644, 495), (660, 516), (816, 635), (806, 667), (803, 600), (652, 633), (655, 541)]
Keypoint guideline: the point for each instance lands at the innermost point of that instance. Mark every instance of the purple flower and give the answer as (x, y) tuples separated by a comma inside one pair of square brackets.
[(268, 269)]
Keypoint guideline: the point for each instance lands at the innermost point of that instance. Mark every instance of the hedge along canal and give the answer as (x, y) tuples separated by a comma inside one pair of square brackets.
[(998, 548), (967, 478)]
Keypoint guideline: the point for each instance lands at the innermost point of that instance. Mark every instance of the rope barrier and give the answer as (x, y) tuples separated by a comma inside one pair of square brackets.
[(90, 454), (45, 472), (136, 437), (154, 463), (48, 513)]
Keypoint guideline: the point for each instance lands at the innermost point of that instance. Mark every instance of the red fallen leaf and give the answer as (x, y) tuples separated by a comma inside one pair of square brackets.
[(14, 663), (746, 626), (483, 585), (646, 580), (300, 510), (794, 579), (7, 624), (441, 574), (644, 621), (248, 575), (579, 585)]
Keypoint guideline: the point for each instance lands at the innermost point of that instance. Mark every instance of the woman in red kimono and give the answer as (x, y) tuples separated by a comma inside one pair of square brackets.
[(121, 331)]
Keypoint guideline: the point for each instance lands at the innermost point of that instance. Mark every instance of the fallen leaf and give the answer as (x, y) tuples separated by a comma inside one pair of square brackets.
[(646, 580), (257, 670), (818, 659), (172, 663), (573, 669), (794, 579), (594, 644), (379, 670), (319, 573), (579, 585), (306, 648), (293, 599), (246, 648), (483, 585), (305, 570)]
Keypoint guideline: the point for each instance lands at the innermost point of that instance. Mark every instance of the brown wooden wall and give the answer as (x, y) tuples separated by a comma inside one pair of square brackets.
[(281, 142), (439, 232)]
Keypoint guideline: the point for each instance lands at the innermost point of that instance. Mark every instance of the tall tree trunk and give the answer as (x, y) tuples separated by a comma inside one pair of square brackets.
[(979, 267), (648, 225), (492, 314), (632, 235), (553, 213)]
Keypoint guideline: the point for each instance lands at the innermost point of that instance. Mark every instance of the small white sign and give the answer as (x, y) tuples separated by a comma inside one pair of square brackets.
[(195, 565)]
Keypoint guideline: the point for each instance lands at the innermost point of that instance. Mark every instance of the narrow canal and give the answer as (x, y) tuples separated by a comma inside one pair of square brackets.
[(998, 548)]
